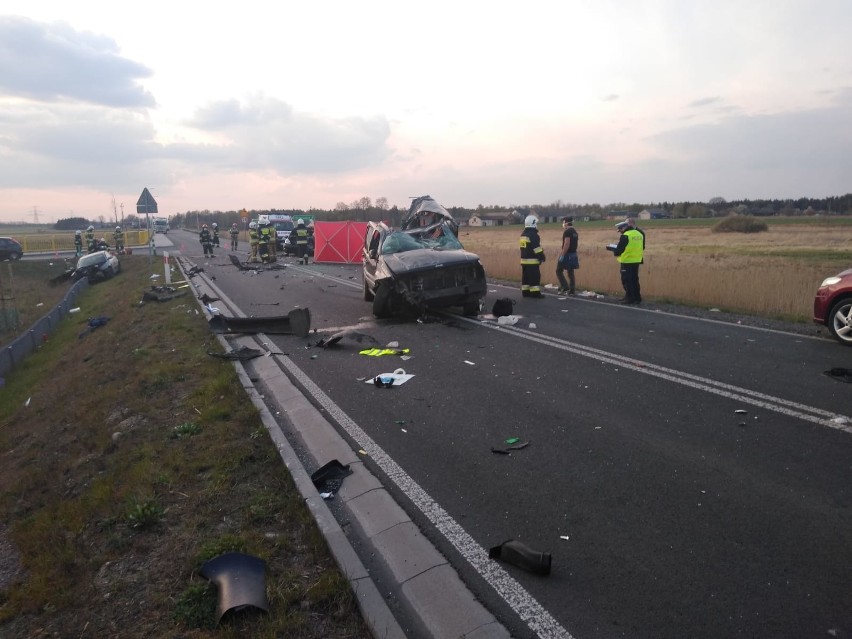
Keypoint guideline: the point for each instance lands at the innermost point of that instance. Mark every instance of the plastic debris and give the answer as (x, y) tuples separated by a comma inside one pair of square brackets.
[(240, 581), (388, 380), (327, 495), (469, 362), (520, 555), (330, 476), (507, 320), (740, 411)]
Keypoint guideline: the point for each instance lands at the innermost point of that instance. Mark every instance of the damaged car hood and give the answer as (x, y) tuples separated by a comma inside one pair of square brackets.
[(427, 259)]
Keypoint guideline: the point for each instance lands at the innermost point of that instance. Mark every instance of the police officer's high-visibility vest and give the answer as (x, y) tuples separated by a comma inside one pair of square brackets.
[(635, 248)]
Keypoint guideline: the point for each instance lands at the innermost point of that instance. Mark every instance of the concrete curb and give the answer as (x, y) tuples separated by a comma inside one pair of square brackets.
[(425, 582)]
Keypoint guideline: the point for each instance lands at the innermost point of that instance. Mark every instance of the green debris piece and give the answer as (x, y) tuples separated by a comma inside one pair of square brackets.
[(513, 440), (399, 421)]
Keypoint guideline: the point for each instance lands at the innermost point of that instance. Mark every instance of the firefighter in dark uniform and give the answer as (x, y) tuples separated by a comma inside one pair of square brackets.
[(206, 240), (91, 243), (78, 243), (215, 234), (532, 257), (263, 241), (235, 234), (299, 238), (118, 236)]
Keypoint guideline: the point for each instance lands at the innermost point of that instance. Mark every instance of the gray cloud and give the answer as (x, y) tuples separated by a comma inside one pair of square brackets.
[(52, 62), (268, 134), (704, 101)]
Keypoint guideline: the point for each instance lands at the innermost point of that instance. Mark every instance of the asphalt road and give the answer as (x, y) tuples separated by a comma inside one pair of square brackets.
[(690, 478)]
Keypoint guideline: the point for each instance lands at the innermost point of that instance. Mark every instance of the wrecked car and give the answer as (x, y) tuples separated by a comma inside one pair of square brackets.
[(423, 265), (100, 265)]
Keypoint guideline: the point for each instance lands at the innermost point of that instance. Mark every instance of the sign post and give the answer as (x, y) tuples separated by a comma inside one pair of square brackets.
[(147, 205)]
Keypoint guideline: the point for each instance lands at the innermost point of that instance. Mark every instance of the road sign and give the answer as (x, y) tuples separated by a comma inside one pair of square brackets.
[(146, 203)]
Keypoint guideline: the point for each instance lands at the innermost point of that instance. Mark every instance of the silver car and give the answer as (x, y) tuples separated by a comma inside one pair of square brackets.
[(100, 265)]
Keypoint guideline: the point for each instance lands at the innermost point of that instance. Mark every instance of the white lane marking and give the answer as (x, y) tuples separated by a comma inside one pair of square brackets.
[(754, 398), (523, 603)]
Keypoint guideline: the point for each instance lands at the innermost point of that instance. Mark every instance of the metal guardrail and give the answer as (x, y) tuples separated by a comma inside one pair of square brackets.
[(55, 242), (25, 344)]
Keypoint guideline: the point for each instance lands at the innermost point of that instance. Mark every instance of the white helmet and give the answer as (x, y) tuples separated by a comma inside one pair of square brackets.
[(117, 228), (78, 232), (252, 224), (531, 222), (91, 228), (215, 226)]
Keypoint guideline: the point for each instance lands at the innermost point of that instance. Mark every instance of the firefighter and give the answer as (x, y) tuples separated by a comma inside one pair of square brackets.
[(91, 243), (235, 234), (532, 257), (253, 242), (118, 236), (78, 242), (206, 240), (215, 234), (299, 238), (263, 241)]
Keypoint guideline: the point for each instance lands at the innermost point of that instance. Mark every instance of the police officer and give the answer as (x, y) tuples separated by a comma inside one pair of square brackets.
[(235, 234), (254, 240), (78, 242), (206, 240), (118, 236), (630, 252), (299, 238), (532, 257)]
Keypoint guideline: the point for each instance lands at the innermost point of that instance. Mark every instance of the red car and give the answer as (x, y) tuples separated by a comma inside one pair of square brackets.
[(833, 306)]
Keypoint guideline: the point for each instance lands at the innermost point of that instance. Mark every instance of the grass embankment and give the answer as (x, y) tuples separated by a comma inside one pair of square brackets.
[(771, 274), (130, 457)]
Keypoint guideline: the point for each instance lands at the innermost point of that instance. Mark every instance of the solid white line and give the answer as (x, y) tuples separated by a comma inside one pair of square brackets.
[(754, 398), (524, 604)]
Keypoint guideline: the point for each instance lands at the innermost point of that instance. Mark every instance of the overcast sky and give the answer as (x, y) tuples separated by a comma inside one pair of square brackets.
[(286, 104)]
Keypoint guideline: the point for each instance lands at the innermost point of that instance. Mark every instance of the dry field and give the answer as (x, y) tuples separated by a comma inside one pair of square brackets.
[(771, 274)]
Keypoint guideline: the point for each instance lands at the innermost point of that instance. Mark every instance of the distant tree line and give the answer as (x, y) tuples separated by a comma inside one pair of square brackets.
[(365, 209)]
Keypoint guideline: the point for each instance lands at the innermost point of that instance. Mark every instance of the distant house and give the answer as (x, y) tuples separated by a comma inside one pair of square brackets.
[(654, 214), (492, 219)]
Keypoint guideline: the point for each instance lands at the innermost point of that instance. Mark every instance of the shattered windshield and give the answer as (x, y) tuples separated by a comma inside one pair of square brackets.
[(91, 260), (439, 237)]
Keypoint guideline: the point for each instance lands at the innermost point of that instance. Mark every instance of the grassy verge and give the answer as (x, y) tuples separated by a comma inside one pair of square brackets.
[(130, 457)]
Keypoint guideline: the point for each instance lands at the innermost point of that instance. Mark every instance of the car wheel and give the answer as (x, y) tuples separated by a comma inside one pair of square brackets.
[(382, 300), (109, 273), (14, 256), (840, 321), (368, 294)]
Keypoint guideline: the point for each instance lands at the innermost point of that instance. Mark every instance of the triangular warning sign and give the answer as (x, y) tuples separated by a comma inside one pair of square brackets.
[(146, 203)]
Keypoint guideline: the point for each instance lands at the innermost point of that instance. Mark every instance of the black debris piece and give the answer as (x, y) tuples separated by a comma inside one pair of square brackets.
[(243, 353), (355, 336), (162, 294), (508, 449), (195, 270), (329, 477), (240, 580), (206, 299), (297, 322), (840, 374), (520, 555), (503, 307)]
